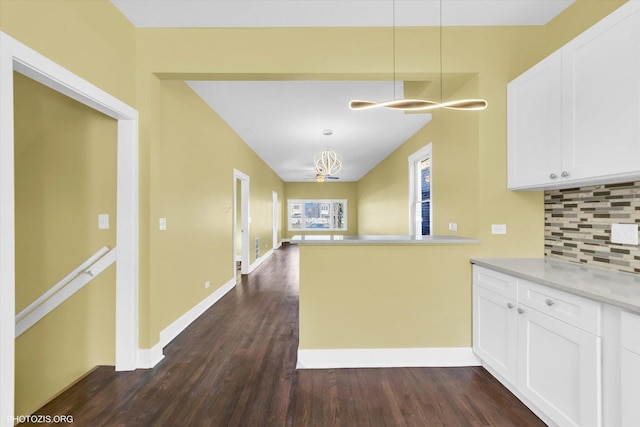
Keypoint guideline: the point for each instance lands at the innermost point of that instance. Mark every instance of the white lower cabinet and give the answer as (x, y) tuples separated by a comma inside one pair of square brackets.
[(559, 368), (630, 369), (544, 344), (496, 332), (630, 388)]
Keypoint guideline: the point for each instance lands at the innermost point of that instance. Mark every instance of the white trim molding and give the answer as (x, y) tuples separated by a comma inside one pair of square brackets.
[(257, 263), (386, 358), (413, 188), (15, 56), (245, 219), (148, 358)]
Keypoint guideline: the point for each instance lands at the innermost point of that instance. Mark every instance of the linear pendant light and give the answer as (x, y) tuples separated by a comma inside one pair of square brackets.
[(419, 104)]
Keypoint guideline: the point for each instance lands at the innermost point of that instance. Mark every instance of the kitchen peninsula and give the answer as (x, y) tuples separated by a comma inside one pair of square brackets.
[(368, 301)]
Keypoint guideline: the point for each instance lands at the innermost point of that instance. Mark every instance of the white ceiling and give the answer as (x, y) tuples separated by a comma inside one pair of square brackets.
[(283, 121), (336, 13)]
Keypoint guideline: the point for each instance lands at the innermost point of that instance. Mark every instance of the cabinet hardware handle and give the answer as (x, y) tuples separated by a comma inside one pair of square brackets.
[(509, 305), (553, 176), (520, 310), (549, 302), (564, 174)]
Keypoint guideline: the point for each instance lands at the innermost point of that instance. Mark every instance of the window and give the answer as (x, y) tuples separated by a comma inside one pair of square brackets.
[(317, 215), (420, 209)]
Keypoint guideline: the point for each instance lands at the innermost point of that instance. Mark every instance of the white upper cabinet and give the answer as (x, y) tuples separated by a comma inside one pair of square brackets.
[(601, 99), (574, 119), (534, 125)]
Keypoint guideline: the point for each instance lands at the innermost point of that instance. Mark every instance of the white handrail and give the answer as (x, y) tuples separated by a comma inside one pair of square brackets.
[(62, 290), (69, 277)]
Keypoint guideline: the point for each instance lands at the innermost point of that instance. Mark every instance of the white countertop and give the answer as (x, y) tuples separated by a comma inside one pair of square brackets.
[(600, 284), (381, 239)]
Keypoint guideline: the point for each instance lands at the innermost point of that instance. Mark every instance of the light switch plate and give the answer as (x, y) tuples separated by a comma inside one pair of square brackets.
[(498, 228), (626, 234), (162, 224), (103, 221)]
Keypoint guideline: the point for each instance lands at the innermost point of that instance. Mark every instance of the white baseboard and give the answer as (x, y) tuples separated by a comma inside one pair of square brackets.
[(260, 260), (514, 390), (148, 358), (386, 358)]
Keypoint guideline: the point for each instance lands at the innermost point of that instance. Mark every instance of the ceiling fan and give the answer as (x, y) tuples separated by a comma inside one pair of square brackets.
[(322, 177)]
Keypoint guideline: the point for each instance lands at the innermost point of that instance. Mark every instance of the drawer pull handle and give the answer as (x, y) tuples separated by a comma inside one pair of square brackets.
[(549, 302), (553, 176), (509, 305), (520, 310)]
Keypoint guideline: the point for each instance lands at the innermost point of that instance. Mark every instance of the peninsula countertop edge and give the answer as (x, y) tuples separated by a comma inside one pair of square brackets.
[(309, 239)]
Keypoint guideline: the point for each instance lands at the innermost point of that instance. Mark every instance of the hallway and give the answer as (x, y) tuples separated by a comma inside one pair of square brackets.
[(235, 366)]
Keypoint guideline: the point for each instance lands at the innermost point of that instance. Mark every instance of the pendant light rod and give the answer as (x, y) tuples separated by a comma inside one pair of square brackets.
[(419, 104), (393, 47), (440, 41)]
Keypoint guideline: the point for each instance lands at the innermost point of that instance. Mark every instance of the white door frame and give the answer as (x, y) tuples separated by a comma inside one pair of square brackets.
[(14, 56), (274, 225), (244, 220)]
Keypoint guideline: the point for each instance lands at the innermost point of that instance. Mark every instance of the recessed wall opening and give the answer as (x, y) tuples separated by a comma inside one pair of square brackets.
[(16, 57)]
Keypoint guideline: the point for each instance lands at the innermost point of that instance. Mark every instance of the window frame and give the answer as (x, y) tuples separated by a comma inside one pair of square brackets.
[(415, 220), (330, 202)]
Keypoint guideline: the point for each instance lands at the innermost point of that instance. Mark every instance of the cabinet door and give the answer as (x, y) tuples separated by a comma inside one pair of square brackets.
[(630, 393), (495, 331), (559, 369), (534, 125), (630, 368), (601, 98)]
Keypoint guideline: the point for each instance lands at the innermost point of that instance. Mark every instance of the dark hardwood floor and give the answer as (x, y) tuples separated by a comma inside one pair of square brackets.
[(235, 366)]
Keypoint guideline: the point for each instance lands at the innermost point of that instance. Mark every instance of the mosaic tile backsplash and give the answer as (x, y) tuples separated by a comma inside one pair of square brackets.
[(578, 225)]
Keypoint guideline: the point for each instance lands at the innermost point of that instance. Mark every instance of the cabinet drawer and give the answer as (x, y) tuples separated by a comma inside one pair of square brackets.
[(580, 312), (630, 331), (502, 284)]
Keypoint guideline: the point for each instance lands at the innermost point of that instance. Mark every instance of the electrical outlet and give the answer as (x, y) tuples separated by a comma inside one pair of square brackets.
[(498, 228), (207, 284), (453, 226), (162, 224)]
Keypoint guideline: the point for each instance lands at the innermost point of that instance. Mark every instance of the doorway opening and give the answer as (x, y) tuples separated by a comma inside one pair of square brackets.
[(14, 56), (274, 225), (241, 223)]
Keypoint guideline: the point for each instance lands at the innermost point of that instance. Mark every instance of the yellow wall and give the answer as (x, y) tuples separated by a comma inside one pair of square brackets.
[(370, 301), (89, 37), (65, 176), (383, 194), (323, 190), (192, 186)]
